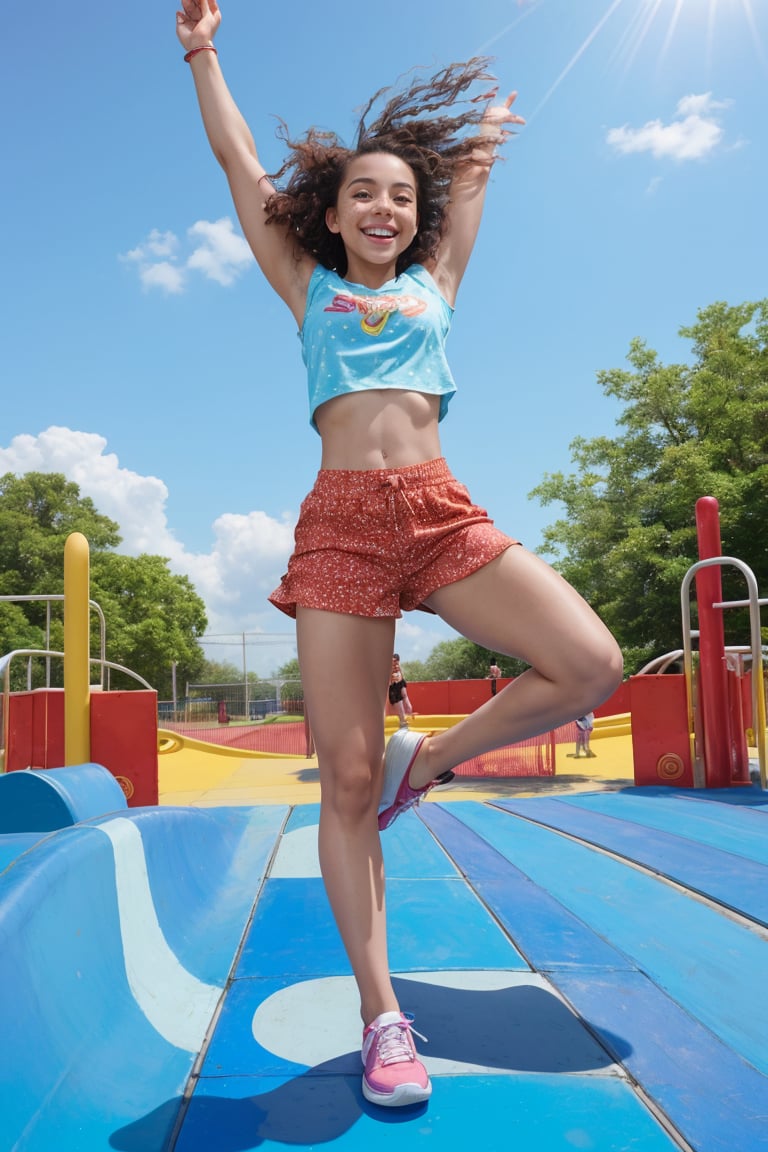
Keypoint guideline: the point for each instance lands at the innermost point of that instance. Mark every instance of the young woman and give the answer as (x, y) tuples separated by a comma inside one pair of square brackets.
[(398, 692), (367, 246)]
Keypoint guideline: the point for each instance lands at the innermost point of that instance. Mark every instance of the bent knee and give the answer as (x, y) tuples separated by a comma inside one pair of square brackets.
[(602, 676)]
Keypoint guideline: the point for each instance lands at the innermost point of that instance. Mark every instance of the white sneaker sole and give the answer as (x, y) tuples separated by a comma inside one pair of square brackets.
[(403, 1095), (397, 761)]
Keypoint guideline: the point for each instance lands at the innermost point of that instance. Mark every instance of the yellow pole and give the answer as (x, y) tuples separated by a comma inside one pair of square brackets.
[(77, 677)]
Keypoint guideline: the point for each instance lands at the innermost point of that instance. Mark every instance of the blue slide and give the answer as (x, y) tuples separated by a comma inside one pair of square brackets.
[(118, 932)]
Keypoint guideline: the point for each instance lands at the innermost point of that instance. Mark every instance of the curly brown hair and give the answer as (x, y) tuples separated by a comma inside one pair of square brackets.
[(413, 125)]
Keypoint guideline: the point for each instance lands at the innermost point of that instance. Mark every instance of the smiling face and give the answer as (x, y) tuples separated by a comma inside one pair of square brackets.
[(376, 215)]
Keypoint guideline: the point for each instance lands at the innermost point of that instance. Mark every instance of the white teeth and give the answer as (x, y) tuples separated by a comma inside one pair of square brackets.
[(379, 232)]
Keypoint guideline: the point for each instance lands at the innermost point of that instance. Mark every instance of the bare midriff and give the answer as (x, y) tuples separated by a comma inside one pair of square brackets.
[(379, 428)]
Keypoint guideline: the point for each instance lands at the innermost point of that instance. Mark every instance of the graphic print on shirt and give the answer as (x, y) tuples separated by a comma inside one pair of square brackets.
[(375, 310)]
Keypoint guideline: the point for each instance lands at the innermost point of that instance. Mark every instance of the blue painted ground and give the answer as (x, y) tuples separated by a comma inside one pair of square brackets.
[(588, 970)]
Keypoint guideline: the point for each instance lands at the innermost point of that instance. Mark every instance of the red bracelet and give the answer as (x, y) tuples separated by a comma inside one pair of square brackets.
[(194, 51)]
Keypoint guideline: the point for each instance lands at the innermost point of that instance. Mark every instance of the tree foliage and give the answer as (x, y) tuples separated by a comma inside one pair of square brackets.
[(628, 535), (290, 672), (216, 673), (460, 659), (153, 617), (220, 672)]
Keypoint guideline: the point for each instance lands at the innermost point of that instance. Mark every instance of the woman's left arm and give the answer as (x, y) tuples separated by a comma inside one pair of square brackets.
[(468, 188)]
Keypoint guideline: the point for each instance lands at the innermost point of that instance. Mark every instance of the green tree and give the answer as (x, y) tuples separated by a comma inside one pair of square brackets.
[(153, 617), (16, 632), (290, 671), (37, 513), (460, 659), (259, 689), (220, 672), (628, 535)]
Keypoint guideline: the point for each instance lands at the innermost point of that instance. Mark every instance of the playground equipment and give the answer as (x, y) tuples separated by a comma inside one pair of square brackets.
[(690, 730), (53, 728), (687, 729), (724, 706)]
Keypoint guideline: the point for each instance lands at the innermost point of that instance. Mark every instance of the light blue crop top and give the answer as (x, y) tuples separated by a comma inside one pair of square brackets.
[(355, 338)]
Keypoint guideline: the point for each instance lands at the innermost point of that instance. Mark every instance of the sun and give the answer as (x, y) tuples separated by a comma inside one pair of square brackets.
[(642, 21), (674, 17)]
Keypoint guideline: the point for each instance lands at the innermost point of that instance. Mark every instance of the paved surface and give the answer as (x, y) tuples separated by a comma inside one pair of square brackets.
[(572, 960), (585, 958), (211, 779)]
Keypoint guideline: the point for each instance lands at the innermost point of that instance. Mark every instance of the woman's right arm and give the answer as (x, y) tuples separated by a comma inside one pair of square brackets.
[(286, 267)]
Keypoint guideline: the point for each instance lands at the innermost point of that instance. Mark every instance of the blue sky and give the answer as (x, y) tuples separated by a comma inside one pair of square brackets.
[(143, 356)]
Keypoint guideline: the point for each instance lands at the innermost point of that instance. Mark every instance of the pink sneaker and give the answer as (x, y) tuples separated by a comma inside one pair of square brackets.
[(397, 794), (393, 1074)]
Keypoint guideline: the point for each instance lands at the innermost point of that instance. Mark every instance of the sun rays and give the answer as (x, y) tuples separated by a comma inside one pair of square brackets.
[(658, 25), (676, 17)]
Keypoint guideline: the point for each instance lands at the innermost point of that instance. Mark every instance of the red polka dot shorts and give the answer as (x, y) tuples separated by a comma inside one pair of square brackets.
[(379, 542)]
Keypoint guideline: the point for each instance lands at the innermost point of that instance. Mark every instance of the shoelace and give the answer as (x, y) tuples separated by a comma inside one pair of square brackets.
[(392, 1043)]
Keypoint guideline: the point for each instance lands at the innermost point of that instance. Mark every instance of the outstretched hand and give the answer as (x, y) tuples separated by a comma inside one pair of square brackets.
[(497, 116), (197, 23)]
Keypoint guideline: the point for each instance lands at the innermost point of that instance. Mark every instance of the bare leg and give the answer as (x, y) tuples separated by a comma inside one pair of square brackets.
[(518, 605), (350, 658)]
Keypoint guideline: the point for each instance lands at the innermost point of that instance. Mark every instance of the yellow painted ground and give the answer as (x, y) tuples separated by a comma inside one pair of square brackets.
[(203, 779)]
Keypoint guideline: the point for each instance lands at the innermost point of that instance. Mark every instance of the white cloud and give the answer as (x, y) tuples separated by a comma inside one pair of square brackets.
[(134, 501), (694, 132), (249, 553), (157, 245), (699, 105), (217, 251), (161, 243), (223, 254), (163, 275)]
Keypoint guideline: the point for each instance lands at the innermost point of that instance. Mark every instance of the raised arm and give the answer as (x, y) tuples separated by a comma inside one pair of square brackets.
[(468, 189), (286, 267)]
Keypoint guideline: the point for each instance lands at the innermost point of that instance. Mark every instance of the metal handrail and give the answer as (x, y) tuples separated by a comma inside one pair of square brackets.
[(755, 647), (5, 677), (5, 665), (659, 664), (59, 597)]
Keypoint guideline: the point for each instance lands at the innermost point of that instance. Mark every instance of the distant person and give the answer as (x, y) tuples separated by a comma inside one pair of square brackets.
[(367, 246), (398, 692), (494, 672), (584, 726)]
